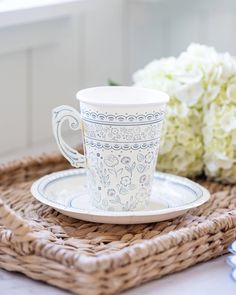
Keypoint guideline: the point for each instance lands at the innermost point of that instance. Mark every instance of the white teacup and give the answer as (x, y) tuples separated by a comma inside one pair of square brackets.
[(121, 129)]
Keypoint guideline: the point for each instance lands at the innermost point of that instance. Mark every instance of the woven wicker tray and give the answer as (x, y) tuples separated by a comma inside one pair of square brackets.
[(88, 258)]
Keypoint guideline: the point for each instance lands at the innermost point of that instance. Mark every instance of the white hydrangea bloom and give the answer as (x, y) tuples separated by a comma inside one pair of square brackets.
[(219, 131), (201, 115), (181, 150)]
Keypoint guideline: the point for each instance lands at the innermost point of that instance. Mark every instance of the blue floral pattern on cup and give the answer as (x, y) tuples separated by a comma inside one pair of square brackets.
[(122, 160)]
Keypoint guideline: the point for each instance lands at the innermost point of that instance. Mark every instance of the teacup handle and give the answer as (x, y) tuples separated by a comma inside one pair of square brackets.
[(59, 116)]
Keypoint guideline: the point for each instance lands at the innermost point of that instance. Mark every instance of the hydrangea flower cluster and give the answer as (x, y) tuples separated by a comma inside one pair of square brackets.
[(200, 128), (181, 151), (219, 126)]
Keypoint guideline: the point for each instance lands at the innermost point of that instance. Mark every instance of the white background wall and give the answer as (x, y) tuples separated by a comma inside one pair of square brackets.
[(160, 28), (43, 63)]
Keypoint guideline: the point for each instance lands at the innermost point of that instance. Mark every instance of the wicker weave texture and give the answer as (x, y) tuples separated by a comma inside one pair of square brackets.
[(88, 258)]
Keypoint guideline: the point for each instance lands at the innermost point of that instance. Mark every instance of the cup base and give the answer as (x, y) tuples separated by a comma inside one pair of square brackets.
[(124, 208)]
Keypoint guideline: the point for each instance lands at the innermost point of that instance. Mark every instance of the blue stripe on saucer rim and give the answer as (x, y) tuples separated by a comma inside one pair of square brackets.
[(231, 260), (232, 248)]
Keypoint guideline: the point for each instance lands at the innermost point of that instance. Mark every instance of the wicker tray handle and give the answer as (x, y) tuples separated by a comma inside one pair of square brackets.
[(20, 229)]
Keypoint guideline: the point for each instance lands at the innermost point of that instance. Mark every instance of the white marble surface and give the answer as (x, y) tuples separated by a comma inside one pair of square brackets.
[(212, 277)]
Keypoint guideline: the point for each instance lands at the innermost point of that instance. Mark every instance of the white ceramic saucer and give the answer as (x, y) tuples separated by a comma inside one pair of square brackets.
[(65, 191)]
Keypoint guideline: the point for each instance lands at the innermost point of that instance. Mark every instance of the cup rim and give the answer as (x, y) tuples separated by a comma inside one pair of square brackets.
[(111, 96)]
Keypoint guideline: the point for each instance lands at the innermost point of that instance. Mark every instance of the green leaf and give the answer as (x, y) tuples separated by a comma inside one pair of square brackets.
[(112, 83)]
